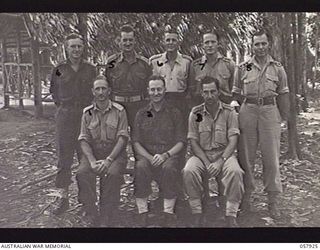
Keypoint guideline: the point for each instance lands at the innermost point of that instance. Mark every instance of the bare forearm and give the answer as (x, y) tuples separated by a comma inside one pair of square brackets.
[(121, 143), (229, 150), (197, 150), (87, 151), (176, 148), (142, 151)]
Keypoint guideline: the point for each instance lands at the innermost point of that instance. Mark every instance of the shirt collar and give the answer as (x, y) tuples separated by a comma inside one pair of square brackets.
[(121, 58), (179, 58), (95, 107), (151, 107), (254, 61), (204, 57), (205, 111)]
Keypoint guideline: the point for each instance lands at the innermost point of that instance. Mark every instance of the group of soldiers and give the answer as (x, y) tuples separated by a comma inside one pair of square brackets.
[(163, 105)]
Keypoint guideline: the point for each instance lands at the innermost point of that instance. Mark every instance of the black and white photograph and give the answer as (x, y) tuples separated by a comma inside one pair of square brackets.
[(160, 120)]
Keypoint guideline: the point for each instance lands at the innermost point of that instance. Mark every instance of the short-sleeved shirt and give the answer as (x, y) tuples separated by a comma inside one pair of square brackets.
[(213, 133), (70, 87), (260, 82), (128, 78), (176, 78), (164, 128), (103, 126), (222, 69)]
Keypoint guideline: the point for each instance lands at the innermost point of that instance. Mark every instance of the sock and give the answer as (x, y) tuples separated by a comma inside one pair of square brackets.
[(232, 208), (195, 205), (142, 204), (168, 205)]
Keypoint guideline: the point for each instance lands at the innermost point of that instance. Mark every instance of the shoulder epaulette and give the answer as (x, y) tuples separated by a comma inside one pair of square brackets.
[(243, 64), (187, 57), (226, 59), (88, 108), (227, 106), (155, 57), (61, 63), (117, 106), (113, 57), (143, 58), (196, 61), (197, 108), (278, 63)]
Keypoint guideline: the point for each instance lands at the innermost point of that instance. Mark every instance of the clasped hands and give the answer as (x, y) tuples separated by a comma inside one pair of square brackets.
[(158, 159), (100, 166), (214, 168)]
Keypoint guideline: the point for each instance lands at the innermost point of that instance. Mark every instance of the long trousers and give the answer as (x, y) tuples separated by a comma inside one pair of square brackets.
[(68, 122), (166, 175), (109, 186), (195, 177), (260, 125)]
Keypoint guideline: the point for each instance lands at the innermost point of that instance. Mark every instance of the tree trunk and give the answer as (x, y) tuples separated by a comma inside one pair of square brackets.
[(36, 78), (20, 84), (6, 98), (83, 29)]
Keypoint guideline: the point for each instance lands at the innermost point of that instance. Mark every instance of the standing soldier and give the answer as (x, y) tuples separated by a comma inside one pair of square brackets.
[(174, 67), (158, 140), (103, 137), (261, 83), (213, 133), (215, 65), (127, 72), (71, 91)]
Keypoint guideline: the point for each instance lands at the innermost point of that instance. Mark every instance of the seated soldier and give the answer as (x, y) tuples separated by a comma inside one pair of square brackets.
[(213, 133), (103, 138), (158, 139)]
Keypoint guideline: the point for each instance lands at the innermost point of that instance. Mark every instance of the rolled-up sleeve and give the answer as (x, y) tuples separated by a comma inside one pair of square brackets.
[(193, 132), (233, 124), (283, 82), (123, 124), (84, 131)]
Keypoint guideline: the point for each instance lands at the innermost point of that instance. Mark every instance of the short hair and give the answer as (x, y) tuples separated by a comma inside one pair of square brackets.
[(213, 32), (208, 80), (127, 28), (260, 33), (73, 36), (100, 77), (155, 78)]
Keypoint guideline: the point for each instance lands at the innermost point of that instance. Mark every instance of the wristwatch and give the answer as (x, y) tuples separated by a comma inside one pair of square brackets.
[(224, 158), (109, 159)]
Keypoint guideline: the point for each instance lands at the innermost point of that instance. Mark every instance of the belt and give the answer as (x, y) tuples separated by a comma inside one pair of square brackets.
[(269, 100), (134, 98)]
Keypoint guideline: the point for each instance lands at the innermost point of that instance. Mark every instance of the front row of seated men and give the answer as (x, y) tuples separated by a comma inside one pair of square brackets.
[(159, 143)]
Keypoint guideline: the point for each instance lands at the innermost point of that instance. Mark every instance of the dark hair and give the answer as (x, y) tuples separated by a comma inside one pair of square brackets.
[(155, 78), (127, 28), (213, 32), (73, 36), (100, 77), (260, 33), (208, 80)]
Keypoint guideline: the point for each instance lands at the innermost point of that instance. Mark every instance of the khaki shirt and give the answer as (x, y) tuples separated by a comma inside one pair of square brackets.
[(103, 126), (213, 133), (222, 69), (260, 82), (176, 78)]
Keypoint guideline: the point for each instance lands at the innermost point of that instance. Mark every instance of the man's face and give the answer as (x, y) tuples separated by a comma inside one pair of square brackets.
[(210, 43), (210, 93), (74, 48), (260, 45), (171, 42), (127, 41), (156, 90), (101, 90)]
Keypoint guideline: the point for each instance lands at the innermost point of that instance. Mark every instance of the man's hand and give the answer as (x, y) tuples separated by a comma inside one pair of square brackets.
[(96, 166), (100, 166), (105, 166), (215, 168), (158, 159)]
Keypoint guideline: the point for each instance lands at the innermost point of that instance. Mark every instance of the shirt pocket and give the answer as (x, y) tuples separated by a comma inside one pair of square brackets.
[(250, 85), (111, 127), (205, 132), (220, 134), (182, 81), (272, 82), (94, 129)]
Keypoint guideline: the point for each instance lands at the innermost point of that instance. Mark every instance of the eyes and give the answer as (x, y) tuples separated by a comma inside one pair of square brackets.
[(76, 46), (171, 40), (156, 89), (212, 92), (261, 44), (210, 42), (125, 40)]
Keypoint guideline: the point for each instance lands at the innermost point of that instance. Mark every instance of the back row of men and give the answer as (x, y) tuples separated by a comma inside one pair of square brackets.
[(154, 97)]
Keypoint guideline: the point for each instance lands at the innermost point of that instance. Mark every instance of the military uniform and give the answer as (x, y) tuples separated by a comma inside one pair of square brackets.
[(101, 129), (212, 134), (222, 69), (128, 81), (260, 120), (176, 78), (158, 132), (71, 92)]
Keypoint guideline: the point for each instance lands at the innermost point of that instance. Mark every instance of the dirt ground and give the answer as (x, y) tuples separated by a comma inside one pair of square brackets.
[(27, 153)]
